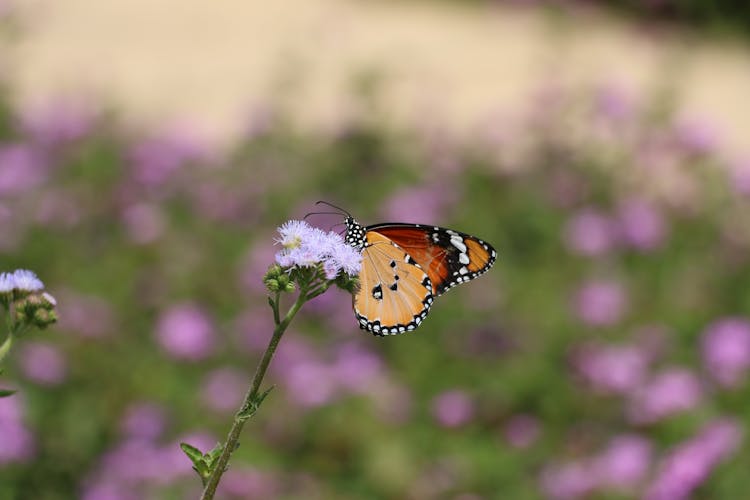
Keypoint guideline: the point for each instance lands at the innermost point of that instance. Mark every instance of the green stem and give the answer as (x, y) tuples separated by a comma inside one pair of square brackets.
[(5, 347), (234, 433)]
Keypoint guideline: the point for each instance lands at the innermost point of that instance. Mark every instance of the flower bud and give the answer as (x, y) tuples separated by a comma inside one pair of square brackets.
[(43, 318)]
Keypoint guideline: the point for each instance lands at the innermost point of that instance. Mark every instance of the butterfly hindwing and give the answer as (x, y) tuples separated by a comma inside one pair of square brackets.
[(449, 257), (395, 293)]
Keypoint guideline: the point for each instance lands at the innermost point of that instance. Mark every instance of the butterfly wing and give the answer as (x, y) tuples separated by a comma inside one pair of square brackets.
[(395, 293), (449, 257)]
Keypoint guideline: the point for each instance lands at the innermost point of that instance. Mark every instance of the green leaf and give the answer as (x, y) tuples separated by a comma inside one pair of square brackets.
[(193, 453), (252, 406), (4, 393)]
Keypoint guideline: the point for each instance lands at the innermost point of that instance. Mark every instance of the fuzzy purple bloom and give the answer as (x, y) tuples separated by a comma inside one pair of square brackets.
[(612, 369), (43, 363), (522, 430), (143, 421), (590, 233), (600, 303), (672, 391), (306, 246), (567, 480), (453, 408), (726, 350), (185, 332), (624, 464), (691, 463), (222, 389), (641, 225), (26, 281)]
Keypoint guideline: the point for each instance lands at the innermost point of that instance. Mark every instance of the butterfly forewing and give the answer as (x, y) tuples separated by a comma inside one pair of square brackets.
[(395, 292), (449, 257)]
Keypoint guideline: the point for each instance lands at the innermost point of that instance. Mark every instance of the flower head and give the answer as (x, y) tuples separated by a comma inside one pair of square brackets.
[(726, 350), (307, 246), (26, 281)]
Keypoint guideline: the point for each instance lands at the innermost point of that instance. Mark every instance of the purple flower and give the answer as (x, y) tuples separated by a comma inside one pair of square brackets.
[(672, 391), (614, 103), (59, 121), (568, 480), (247, 482), (453, 408), (698, 137), (522, 430), (641, 225), (310, 383), (590, 233), (144, 420), (144, 223), (624, 463), (305, 246), (223, 389), (26, 281), (17, 443), (600, 303), (185, 332), (43, 363), (691, 463), (740, 177), (418, 204), (616, 369), (7, 282), (355, 367), (726, 350), (21, 168), (87, 316)]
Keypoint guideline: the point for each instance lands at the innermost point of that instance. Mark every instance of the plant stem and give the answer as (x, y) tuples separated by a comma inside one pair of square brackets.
[(5, 347), (252, 393)]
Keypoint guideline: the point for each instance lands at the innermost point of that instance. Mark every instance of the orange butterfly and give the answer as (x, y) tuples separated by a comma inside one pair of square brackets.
[(404, 266)]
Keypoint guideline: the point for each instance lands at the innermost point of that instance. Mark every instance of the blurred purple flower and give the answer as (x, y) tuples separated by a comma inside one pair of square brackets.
[(625, 462), (144, 222), (674, 390), (691, 463), (108, 490), (355, 367), (43, 363), (253, 329), (87, 316), (185, 332), (614, 103), (222, 389), (740, 176), (522, 430), (590, 233), (422, 204), (143, 421), (567, 480), (17, 443), (22, 168), (726, 350), (58, 121), (453, 408), (247, 482), (697, 136), (310, 383), (58, 209), (600, 303), (614, 369), (156, 159), (641, 225)]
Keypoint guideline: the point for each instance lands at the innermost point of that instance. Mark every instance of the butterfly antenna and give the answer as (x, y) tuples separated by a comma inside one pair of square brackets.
[(321, 213), (341, 210)]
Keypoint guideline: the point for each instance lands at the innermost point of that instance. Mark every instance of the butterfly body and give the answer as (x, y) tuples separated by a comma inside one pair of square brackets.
[(405, 266)]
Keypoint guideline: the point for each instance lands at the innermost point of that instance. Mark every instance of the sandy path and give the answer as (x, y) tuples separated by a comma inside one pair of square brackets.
[(210, 62)]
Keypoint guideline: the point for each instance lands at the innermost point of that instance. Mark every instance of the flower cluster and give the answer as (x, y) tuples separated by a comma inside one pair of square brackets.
[(307, 246), (21, 292)]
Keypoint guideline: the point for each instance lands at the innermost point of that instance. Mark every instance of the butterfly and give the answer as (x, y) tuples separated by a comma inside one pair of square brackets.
[(405, 266)]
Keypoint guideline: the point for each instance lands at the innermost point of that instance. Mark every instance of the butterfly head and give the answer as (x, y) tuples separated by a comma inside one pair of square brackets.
[(355, 233)]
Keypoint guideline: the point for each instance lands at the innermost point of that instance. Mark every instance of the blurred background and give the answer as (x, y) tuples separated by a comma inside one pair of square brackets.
[(149, 150)]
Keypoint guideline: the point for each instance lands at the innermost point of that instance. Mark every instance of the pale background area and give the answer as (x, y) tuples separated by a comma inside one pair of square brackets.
[(211, 63)]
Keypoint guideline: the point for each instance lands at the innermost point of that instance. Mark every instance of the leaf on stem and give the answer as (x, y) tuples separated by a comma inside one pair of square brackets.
[(203, 463), (252, 406)]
